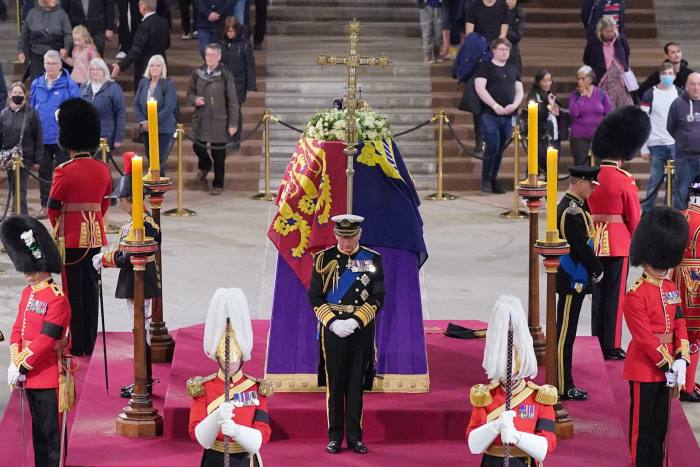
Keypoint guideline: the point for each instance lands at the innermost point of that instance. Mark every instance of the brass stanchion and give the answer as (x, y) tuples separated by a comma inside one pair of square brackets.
[(265, 195), (110, 229), (17, 167), (19, 22), (670, 171), (591, 157), (440, 195), (516, 212), (179, 211)]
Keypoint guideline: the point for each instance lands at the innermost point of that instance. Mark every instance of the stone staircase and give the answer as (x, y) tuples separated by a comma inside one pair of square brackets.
[(297, 87)]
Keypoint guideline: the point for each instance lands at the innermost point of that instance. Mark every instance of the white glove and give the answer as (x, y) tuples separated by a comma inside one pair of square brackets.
[(338, 328), (97, 262), (351, 325), (481, 438), (671, 379), (535, 445), (679, 367), (506, 419), (225, 412), (509, 435), (13, 374), (230, 428)]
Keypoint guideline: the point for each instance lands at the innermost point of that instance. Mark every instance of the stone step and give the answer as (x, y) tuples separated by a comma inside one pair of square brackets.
[(369, 30), (336, 85), (328, 13), (396, 116), (378, 101)]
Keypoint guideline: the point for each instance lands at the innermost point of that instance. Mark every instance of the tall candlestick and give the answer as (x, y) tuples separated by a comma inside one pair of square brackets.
[(532, 137), (153, 150), (552, 180), (136, 194)]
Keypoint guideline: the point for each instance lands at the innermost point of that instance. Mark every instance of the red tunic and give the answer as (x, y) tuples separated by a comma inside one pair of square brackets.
[(78, 201), (655, 320), (39, 333), (687, 275), (250, 415), (615, 210), (531, 416)]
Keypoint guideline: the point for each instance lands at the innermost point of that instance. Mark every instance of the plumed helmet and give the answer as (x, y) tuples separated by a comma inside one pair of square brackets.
[(660, 239), (232, 304), (29, 245), (79, 125), (621, 134)]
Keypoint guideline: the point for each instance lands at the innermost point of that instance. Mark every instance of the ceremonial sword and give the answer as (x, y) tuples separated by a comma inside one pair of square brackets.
[(509, 387), (20, 388), (104, 338)]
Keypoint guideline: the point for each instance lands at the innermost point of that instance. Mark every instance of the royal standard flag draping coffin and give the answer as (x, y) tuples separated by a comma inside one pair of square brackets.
[(312, 191)]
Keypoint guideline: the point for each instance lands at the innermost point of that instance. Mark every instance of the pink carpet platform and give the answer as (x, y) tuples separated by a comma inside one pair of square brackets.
[(399, 429)]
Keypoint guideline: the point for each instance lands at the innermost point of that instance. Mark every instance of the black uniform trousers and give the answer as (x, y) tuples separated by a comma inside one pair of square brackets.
[(46, 431), (495, 461), (568, 311), (346, 361), (212, 458), (82, 294), (606, 312), (648, 422)]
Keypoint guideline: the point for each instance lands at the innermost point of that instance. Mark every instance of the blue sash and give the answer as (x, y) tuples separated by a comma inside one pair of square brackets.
[(576, 271), (347, 278)]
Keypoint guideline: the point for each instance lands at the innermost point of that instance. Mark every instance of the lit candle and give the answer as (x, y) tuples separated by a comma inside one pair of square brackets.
[(154, 155), (552, 156), (136, 194), (532, 137)]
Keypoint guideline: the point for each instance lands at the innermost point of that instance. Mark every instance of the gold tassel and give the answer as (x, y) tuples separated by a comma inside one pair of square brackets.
[(66, 392)]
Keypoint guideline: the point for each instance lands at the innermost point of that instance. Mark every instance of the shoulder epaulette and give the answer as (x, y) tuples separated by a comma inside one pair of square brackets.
[(624, 172), (546, 394), (151, 221), (57, 290), (480, 395), (573, 209), (195, 386), (371, 250), (636, 285), (323, 251), (64, 163), (265, 387)]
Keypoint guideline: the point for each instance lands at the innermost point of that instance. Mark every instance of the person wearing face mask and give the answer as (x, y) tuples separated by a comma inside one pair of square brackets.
[(660, 147), (608, 54), (683, 125), (245, 420), (20, 126), (672, 54)]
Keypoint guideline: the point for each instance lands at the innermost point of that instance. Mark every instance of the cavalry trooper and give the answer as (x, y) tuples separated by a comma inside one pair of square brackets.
[(577, 270), (346, 293), (244, 419)]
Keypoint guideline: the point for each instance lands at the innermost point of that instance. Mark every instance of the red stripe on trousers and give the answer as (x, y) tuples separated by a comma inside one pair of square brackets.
[(634, 429), (623, 290)]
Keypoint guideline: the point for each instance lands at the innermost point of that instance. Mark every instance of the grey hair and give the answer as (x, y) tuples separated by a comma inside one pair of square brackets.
[(99, 63), (161, 60), (588, 71), (604, 23), (52, 54)]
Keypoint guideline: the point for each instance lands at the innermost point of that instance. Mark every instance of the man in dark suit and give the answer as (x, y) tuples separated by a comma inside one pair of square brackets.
[(152, 38), (96, 15)]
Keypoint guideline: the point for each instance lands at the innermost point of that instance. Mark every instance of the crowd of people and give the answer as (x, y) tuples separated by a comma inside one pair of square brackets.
[(62, 47)]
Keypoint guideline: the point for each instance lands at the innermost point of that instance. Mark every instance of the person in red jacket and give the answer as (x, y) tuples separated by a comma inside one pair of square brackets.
[(687, 278), (528, 427), (78, 201), (659, 352), (615, 211), (39, 334), (244, 420)]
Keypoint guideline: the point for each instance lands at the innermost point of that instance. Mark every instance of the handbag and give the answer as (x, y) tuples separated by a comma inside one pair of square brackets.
[(6, 162), (630, 80)]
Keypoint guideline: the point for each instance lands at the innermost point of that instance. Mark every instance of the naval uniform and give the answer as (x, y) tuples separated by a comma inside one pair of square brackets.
[(616, 212), (346, 287), (687, 277), (653, 313), (574, 276), (533, 414), (39, 338), (78, 200), (249, 397)]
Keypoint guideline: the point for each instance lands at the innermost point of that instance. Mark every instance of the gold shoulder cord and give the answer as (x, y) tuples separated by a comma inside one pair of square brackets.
[(328, 272)]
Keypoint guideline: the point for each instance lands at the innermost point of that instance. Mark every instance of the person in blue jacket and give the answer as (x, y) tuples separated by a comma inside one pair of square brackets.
[(108, 98), (156, 85), (210, 17), (47, 93)]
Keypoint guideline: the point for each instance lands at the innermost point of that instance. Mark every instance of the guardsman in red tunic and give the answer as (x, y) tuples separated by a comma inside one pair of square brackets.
[(39, 334), (687, 277), (528, 427), (658, 354), (78, 200), (615, 211), (244, 420)]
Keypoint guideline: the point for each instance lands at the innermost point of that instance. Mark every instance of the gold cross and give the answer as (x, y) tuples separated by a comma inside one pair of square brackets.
[(352, 61)]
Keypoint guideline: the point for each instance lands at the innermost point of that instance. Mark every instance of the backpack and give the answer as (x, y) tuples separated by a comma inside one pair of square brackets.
[(474, 50)]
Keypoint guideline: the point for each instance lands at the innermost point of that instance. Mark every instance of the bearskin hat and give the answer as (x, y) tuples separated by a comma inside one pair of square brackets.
[(660, 239), (621, 134), (30, 245), (79, 125)]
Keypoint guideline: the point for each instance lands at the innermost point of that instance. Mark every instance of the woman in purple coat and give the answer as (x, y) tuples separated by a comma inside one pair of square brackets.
[(588, 104)]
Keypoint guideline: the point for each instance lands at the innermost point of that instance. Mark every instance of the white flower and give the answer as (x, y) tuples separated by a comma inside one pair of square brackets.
[(371, 135), (369, 120), (30, 241), (339, 135)]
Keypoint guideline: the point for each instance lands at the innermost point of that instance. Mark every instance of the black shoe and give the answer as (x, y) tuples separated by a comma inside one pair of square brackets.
[(333, 447), (614, 354), (257, 47), (125, 392), (497, 188), (486, 188), (358, 447), (575, 394), (479, 146), (690, 396)]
